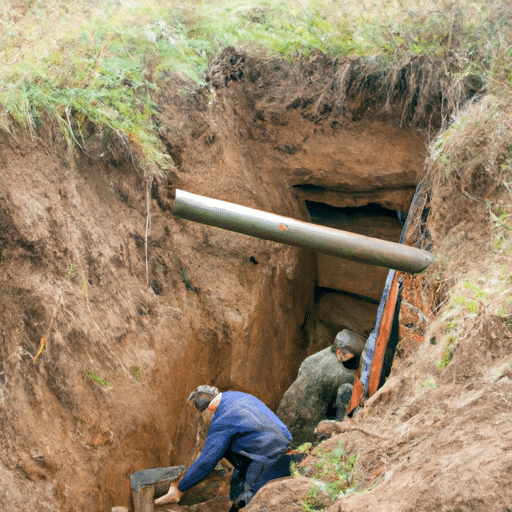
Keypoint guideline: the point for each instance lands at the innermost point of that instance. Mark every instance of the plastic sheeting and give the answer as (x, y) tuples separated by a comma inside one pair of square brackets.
[(379, 350)]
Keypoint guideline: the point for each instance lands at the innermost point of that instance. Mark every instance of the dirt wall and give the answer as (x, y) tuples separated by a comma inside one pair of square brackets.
[(136, 308)]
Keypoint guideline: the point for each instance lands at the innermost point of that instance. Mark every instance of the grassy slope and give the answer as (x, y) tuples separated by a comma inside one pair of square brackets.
[(94, 66)]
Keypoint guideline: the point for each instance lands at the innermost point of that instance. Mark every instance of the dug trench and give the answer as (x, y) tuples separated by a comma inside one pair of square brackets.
[(113, 310)]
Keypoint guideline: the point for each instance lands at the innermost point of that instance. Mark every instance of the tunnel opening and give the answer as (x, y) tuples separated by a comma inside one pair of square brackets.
[(325, 214), (347, 293), (346, 305)]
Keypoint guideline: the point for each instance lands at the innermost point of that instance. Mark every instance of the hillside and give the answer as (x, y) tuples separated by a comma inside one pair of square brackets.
[(113, 310)]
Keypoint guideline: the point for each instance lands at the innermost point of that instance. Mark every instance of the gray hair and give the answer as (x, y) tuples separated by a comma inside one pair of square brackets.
[(202, 396), (351, 346), (348, 341)]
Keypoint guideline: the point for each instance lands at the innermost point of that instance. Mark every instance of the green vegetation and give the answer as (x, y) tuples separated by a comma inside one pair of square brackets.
[(95, 67), (333, 471), (136, 372), (447, 356), (470, 305), (72, 271), (186, 281), (430, 383), (98, 380)]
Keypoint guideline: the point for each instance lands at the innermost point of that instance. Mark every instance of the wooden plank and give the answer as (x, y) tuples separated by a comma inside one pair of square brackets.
[(143, 499)]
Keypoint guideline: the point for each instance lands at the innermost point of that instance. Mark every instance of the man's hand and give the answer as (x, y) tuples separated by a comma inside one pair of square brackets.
[(172, 496)]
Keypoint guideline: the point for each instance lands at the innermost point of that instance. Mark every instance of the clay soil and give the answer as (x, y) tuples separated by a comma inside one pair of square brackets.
[(112, 310)]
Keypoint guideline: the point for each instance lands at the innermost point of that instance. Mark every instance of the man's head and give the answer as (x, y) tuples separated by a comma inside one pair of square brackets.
[(202, 396), (348, 347)]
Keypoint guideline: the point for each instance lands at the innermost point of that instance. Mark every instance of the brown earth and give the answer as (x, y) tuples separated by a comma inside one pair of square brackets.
[(137, 307)]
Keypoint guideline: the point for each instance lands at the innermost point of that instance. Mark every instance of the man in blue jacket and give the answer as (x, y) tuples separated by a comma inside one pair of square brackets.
[(245, 432)]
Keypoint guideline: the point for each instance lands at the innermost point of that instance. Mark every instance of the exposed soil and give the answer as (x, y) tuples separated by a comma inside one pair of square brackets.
[(137, 308)]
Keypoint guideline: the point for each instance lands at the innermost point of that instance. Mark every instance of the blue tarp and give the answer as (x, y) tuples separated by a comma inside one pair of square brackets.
[(369, 348)]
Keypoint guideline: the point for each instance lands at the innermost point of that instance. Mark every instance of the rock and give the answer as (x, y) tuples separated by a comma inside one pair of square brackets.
[(325, 429), (312, 397)]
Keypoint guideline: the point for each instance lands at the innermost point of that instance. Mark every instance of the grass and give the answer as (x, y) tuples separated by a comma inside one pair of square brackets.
[(94, 67), (469, 179), (136, 372), (333, 472), (74, 271), (186, 280), (98, 380), (447, 355), (430, 383)]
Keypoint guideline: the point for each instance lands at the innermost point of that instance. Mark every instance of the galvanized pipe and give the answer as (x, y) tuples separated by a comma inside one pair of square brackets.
[(285, 230)]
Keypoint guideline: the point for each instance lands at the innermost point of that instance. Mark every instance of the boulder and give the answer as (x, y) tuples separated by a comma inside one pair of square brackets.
[(312, 396)]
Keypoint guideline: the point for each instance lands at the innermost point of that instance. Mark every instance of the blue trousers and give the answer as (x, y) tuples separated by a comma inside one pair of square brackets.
[(249, 476)]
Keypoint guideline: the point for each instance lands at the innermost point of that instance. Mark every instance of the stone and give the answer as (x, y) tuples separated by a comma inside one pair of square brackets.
[(312, 396)]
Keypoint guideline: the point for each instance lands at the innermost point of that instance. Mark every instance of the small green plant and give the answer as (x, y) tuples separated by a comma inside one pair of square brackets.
[(136, 372), (477, 290), (451, 325), (98, 380), (469, 304), (447, 353), (186, 281), (316, 499), (304, 447), (334, 471), (429, 383), (472, 307), (72, 271)]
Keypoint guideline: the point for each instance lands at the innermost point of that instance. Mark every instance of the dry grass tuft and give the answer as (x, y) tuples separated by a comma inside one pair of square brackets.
[(418, 91), (470, 166), (464, 217)]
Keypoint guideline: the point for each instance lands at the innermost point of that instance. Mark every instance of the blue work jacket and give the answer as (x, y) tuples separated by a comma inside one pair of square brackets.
[(241, 425)]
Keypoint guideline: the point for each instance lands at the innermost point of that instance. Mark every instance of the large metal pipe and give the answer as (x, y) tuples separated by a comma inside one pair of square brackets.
[(285, 230)]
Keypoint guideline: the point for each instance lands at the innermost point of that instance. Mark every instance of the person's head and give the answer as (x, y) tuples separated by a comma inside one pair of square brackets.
[(202, 396), (348, 347)]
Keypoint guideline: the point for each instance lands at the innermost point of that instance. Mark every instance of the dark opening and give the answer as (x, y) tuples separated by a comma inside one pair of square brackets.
[(347, 293), (321, 213)]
